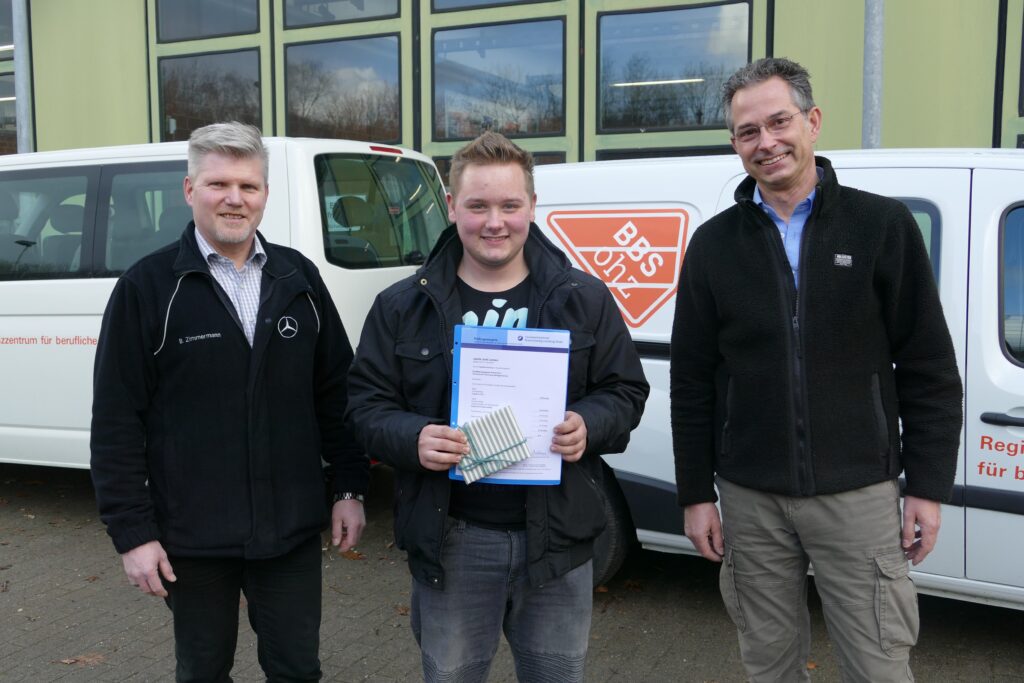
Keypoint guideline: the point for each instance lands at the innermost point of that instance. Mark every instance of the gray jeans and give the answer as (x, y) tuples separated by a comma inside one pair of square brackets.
[(852, 540), (487, 591)]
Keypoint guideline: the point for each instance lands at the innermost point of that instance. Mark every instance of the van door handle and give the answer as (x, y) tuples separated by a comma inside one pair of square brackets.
[(1002, 419)]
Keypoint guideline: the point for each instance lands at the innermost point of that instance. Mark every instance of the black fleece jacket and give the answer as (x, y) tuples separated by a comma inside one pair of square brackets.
[(198, 441), (801, 392), (401, 381)]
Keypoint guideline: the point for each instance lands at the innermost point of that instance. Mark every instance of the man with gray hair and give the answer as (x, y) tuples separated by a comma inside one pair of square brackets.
[(220, 383), (808, 328)]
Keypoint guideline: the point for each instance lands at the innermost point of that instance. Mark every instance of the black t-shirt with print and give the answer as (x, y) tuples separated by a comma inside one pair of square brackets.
[(492, 506)]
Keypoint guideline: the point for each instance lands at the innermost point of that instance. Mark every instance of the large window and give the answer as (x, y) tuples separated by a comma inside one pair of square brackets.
[(1013, 284), (507, 77), (378, 211), (192, 19), (345, 89), (664, 70), (202, 89), (316, 12)]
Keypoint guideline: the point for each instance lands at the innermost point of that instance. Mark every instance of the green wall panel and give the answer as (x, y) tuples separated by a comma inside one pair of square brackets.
[(826, 36), (89, 73)]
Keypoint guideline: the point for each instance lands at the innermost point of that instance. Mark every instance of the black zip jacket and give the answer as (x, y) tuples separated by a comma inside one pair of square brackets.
[(198, 441), (801, 392), (401, 381)]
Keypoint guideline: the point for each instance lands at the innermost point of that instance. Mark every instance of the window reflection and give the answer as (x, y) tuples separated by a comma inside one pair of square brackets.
[(209, 88), (6, 30), (191, 19), (465, 4), (1013, 284), (344, 89), (508, 78), (8, 121), (315, 12), (665, 70)]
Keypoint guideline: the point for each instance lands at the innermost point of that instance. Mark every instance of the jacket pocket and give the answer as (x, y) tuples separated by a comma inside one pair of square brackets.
[(895, 603), (881, 423), (575, 508), (726, 420), (423, 374), (580, 347)]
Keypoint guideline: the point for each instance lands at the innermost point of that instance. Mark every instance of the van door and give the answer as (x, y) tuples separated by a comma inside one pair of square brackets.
[(939, 199), (994, 411)]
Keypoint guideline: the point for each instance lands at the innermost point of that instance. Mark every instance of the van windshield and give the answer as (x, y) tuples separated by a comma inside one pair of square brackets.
[(377, 211)]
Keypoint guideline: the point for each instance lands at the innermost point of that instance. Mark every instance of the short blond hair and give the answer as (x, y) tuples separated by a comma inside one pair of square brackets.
[(488, 149), (231, 138)]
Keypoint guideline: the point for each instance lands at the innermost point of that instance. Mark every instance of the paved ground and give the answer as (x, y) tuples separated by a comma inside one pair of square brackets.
[(67, 612)]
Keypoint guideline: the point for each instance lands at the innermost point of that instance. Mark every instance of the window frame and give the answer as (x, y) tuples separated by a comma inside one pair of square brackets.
[(561, 19), (935, 246), (91, 174), (104, 190), (507, 3), (298, 27), (1019, 362), (161, 105), (398, 64), (170, 41), (601, 130)]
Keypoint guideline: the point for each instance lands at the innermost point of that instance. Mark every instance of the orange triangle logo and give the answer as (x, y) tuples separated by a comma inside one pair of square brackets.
[(637, 253)]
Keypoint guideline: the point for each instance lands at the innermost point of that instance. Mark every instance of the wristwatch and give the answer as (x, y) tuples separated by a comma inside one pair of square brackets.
[(348, 495)]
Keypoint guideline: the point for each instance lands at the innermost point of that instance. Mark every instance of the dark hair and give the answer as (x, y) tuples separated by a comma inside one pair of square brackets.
[(490, 148), (760, 71)]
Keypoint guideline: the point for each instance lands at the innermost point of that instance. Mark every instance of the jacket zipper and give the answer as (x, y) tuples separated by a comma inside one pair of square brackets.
[(804, 467)]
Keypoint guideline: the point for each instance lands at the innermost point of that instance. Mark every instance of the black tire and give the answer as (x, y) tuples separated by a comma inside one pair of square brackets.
[(618, 537)]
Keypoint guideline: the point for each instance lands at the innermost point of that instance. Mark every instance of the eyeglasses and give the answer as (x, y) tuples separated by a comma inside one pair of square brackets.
[(776, 125)]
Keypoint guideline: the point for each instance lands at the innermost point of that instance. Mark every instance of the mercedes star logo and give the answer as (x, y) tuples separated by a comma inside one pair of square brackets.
[(287, 327)]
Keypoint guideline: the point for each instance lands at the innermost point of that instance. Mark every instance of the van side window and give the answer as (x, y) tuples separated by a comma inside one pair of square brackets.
[(45, 223), (1013, 283), (146, 210), (930, 222), (378, 211)]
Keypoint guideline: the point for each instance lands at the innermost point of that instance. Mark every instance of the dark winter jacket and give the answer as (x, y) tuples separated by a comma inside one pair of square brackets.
[(209, 446), (801, 392), (401, 382)]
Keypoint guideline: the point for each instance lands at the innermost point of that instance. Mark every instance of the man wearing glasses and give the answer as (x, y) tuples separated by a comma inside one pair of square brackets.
[(808, 327)]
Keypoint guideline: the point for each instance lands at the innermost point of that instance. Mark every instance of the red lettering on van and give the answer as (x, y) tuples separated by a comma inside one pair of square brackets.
[(637, 253)]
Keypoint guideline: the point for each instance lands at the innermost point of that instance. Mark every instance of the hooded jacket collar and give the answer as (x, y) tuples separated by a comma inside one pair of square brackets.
[(547, 264)]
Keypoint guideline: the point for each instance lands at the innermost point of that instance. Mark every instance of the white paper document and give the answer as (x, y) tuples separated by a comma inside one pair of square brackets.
[(527, 369)]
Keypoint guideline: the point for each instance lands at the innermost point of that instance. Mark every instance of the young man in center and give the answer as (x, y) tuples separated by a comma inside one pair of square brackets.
[(490, 557)]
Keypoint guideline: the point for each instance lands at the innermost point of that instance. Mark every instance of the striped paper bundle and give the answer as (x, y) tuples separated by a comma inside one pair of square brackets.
[(495, 441)]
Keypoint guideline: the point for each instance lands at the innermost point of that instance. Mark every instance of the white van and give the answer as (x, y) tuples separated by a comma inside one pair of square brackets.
[(71, 221), (629, 222)]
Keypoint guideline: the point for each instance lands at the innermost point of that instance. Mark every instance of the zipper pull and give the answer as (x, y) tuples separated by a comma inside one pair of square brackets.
[(796, 337)]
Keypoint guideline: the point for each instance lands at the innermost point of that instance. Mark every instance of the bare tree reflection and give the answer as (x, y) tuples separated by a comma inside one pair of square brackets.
[(197, 93), (322, 105)]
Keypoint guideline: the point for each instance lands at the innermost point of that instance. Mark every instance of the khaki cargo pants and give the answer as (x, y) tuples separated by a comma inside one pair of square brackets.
[(852, 540)]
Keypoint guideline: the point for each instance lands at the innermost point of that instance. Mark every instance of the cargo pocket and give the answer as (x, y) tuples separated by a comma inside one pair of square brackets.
[(730, 596), (895, 603)]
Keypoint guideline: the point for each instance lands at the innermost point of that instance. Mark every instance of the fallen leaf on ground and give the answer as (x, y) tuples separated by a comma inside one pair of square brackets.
[(92, 579), (85, 660), (601, 589), (812, 665), (353, 554), (402, 610)]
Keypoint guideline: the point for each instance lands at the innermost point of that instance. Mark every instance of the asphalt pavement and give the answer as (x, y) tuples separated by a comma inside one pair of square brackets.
[(68, 613)]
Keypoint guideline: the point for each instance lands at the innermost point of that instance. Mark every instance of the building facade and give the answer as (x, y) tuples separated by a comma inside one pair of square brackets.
[(570, 80)]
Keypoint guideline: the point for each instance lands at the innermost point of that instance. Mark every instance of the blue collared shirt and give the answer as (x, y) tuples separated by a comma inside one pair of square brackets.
[(793, 231)]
